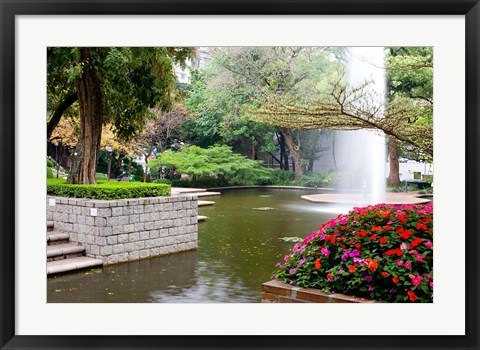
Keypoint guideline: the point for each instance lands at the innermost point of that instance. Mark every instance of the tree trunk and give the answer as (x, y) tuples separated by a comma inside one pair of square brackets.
[(294, 152), (253, 151), (333, 151), (57, 115), (283, 152), (84, 160), (394, 175)]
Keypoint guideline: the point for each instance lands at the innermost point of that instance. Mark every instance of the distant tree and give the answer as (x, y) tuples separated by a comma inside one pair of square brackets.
[(117, 85), (250, 75), (410, 75)]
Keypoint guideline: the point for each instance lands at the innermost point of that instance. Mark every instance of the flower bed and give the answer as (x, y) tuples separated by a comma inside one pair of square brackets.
[(382, 252)]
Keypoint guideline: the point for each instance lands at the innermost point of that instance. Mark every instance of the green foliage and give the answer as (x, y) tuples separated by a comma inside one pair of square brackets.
[(107, 189), (50, 164), (132, 80), (49, 173), (317, 180), (217, 162), (382, 252)]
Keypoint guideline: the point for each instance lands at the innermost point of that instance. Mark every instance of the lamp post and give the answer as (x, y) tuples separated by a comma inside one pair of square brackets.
[(109, 152), (56, 156)]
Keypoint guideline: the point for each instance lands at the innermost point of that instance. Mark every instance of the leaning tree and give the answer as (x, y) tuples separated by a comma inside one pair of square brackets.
[(116, 85)]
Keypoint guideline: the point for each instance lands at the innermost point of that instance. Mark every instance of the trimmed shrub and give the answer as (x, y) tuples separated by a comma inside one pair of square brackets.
[(381, 252), (107, 189), (49, 164), (100, 176), (49, 173), (317, 180)]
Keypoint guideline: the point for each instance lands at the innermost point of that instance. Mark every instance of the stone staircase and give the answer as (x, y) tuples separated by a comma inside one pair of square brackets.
[(65, 256)]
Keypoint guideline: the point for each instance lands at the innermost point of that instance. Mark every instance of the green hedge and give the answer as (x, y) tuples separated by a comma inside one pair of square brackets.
[(107, 189), (49, 173)]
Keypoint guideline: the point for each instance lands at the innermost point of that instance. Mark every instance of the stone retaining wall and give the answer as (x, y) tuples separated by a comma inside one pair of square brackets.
[(278, 292), (127, 229)]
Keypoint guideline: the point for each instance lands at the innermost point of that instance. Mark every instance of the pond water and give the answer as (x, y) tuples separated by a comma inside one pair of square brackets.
[(238, 247)]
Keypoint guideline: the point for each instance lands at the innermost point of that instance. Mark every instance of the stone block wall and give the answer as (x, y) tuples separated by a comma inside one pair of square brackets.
[(278, 292), (127, 229)]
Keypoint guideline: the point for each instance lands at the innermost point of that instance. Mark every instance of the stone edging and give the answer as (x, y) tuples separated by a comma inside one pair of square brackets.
[(278, 292), (127, 229)]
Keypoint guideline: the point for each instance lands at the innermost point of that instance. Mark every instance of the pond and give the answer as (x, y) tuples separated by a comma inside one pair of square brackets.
[(238, 247)]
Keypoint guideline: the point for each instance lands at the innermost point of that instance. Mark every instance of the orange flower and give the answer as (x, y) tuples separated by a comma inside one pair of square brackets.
[(371, 264), (317, 264), (376, 228), (351, 269)]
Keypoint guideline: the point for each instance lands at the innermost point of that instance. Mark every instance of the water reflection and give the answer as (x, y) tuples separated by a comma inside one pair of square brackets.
[(238, 247)]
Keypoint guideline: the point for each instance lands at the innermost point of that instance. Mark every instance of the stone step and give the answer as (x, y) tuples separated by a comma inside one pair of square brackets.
[(207, 194), (205, 203), (57, 237), (64, 251), (49, 225), (72, 264), (201, 218), (183, 190)]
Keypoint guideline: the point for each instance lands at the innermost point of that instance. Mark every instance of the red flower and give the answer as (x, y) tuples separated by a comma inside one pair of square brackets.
[(402, 218), (415, 242), (398, 251), (329, 277), (412, 295), (376, 228), (317, 264), (406, 234), (344, 247), (399, 229), (395, 279), (384, 274), (386, 228), (383, 240), (357, 245), (351, 269), (351, 240), (421, 227), (361, 233), (343, 228), (331, 238), (373, 237)]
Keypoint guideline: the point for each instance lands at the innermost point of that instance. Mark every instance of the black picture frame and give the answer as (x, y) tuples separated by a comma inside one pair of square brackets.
[(11, 8)]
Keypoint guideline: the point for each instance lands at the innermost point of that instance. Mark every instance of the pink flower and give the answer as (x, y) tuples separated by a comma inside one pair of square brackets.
[(408, 264), (325, 252), (419, 257), (428, 244), (403, 246), (399, 262), (431, 284)]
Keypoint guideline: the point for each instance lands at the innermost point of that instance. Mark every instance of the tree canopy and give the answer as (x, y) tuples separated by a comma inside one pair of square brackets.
[(115, 85)]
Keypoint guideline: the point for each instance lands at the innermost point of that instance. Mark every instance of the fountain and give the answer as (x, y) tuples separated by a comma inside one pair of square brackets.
[(361, 154)]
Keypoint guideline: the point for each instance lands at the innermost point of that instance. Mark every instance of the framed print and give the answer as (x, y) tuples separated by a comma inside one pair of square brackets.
[(37, 315)]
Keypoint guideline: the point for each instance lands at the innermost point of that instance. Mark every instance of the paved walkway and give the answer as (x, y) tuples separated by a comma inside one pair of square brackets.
[(359, 199)]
